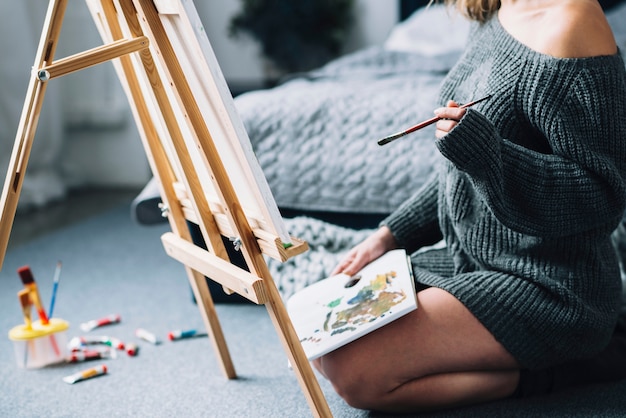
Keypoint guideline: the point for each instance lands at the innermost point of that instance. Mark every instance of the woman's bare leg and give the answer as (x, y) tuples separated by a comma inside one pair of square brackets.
[(436, 357)]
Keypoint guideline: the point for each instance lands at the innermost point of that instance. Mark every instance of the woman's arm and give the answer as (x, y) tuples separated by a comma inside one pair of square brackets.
[(580, 186)]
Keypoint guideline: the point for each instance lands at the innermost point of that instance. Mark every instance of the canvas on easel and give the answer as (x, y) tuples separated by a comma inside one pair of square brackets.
[(198, 151)]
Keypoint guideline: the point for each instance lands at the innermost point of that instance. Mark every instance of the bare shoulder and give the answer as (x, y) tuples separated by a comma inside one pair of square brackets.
[(576, 29), (561, 28)]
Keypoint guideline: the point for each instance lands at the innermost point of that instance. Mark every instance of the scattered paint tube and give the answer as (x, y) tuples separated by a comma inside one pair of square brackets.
[(86, 374), (95, 323), (147, 336), (78, 343), (182, 334), (132, 349), (115, 343), (87, 355)]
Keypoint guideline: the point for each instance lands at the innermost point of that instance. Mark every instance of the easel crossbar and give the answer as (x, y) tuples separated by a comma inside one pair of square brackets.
[(92, 57), (221, 271)]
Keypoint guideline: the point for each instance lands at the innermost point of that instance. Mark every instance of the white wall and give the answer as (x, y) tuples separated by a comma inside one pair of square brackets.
[(239, 58), (20, 28), (374, 21)]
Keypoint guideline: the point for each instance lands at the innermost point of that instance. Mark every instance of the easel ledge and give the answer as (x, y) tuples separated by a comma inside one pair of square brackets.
[(270, 244)]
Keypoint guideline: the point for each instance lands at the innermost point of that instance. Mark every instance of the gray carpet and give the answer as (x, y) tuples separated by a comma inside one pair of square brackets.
[(112, 265)]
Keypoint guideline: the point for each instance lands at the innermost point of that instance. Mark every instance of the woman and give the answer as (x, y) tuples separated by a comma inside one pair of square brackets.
[(531, 186)]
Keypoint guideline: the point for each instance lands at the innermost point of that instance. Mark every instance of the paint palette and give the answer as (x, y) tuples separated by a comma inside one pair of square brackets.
[(342, 308)]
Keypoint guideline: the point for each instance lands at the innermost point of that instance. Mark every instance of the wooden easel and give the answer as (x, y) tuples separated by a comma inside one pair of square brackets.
[(169, 114)]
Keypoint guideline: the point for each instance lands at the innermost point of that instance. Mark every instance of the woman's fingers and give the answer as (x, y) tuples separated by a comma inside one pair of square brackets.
[(446, 125), (381, 241), (450, 116), (454, 113)]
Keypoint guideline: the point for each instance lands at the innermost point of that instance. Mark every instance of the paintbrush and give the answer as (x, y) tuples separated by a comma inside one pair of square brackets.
[(424, 124), (27, 305), (29, 282), (55, 287), (24, 296)]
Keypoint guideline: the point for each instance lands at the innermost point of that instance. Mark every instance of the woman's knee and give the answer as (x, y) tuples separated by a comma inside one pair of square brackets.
[(357, 386)]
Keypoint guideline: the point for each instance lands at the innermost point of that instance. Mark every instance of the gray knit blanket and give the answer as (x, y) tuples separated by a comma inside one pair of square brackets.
[(315, 135), (327, 244)]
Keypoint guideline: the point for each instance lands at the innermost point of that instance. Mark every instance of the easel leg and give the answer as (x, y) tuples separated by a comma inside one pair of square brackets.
[(211, 322), (161, 167), (28, 123), (141, 15), (302, 368), (289, 339)]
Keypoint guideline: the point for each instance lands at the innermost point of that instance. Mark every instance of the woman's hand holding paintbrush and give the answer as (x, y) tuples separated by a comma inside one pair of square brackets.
[(426, 123)]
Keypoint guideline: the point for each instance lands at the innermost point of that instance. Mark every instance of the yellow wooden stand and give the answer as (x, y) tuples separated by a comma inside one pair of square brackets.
[(184, 123)]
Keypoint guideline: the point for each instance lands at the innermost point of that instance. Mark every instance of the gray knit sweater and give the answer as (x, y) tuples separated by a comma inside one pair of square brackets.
[(530, 187)]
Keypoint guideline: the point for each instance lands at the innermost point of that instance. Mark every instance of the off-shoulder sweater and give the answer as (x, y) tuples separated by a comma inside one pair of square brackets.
[(531, 186)]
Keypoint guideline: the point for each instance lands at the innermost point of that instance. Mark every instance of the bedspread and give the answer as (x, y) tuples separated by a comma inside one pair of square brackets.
[(315, 135)]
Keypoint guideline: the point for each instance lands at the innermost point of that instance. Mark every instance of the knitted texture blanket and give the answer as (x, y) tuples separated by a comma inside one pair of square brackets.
[(315, 136), (327, 244)]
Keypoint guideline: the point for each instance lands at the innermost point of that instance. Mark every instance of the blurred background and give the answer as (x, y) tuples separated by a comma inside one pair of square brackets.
[(86, 139)]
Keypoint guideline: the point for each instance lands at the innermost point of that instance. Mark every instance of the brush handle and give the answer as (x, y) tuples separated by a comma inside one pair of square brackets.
[(26, 275), (34, 295), (24, 297), (424, 124), (417, 127), (55, 287)]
